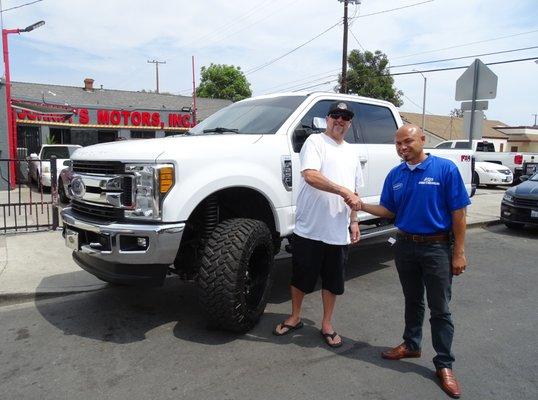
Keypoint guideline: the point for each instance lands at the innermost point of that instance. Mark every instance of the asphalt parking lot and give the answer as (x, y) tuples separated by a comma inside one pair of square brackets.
[(130, 343)]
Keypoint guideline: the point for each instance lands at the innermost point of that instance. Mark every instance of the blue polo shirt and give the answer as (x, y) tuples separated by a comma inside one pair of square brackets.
[(424, 198)]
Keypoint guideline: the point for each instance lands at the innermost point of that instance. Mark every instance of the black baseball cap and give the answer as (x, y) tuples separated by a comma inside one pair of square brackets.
[(340, 108)]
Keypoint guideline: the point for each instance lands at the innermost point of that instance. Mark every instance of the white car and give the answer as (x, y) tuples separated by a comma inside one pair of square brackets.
[(492, 174), (39, 165)]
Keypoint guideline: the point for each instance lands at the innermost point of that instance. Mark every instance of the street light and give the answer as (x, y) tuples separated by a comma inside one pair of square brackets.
[(12, 135), (423, 102)]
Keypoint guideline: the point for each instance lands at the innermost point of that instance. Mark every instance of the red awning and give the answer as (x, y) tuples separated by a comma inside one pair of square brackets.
[(42, 108)]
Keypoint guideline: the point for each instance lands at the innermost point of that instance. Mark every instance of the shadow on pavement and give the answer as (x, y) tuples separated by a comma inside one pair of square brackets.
[(529, 232), (126, 314)]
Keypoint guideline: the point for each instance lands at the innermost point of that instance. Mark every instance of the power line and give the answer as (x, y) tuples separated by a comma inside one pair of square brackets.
[(255, 69), (259, 67), (394, 9), (230, 24), (255, 22), (428, 70), (465, 66), (402, 65), (19, 6), (466, 44), (463, 57)]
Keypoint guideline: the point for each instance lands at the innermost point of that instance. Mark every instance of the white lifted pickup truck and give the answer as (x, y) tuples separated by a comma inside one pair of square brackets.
[(214, 204)]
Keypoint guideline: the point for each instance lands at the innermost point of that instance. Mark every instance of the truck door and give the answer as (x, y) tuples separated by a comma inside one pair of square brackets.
[(306, 127), (376, 127)]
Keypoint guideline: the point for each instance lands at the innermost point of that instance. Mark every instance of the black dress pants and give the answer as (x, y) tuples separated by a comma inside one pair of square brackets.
[(427, 267)]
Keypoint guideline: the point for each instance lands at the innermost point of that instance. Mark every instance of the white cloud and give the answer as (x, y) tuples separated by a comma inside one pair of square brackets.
[(112, 40)]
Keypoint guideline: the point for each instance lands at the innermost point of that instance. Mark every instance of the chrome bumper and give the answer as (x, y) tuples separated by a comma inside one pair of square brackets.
[(164, 240)]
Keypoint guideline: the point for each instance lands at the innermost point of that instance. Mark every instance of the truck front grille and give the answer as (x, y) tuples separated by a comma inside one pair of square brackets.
[(525, 202), (96, 211), (98, 167)]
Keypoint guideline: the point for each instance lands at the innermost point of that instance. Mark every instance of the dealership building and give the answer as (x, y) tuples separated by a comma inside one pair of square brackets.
[(88, 115)]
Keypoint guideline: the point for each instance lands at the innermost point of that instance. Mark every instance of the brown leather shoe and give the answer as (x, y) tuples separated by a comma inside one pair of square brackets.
[(449, 383), (399, 352)]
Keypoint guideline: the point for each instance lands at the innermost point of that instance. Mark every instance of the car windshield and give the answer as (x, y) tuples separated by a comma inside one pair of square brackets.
[(534, 177), (58, 151), (253, 117)]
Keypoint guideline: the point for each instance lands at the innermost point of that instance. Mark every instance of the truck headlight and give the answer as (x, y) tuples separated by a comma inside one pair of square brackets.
[(150, 186)]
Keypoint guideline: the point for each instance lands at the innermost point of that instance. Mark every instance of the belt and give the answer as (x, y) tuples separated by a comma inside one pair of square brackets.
[(438, 237)]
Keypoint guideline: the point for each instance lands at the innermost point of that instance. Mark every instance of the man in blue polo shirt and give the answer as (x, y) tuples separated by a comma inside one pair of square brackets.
[(427, 196)]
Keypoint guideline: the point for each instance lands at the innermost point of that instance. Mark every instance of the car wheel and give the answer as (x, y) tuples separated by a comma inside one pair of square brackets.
[(236, 274), (514, 225)]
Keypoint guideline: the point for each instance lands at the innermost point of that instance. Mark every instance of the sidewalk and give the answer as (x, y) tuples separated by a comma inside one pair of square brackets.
[(39, 264)]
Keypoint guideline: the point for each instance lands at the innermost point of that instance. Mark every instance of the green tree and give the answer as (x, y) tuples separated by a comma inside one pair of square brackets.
[(221, 81), (456, 112), (368, 75)]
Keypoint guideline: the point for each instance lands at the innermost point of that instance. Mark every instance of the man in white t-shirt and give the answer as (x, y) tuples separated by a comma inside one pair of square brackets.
[(325, 225)]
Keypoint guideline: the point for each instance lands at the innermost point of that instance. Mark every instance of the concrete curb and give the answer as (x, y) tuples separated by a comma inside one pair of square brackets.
[(484, 224)]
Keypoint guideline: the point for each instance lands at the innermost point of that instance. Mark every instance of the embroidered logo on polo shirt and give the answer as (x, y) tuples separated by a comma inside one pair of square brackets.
[(397, 186), (429, 181)]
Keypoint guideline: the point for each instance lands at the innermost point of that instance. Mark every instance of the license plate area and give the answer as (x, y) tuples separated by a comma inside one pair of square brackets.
[(71, 239)]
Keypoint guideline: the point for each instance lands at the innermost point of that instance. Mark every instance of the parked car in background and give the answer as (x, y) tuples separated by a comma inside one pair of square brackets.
[(519, 205), (491, 174), (39, 164), (485, 151)]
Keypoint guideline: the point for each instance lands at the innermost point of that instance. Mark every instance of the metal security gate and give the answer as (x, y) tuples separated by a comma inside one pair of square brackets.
[(28, 195)]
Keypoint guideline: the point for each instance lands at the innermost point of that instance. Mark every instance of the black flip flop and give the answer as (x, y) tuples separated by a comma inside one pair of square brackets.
[(326, 337), (290, 328)]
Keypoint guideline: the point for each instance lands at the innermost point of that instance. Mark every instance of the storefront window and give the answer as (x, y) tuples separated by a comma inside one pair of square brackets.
[(142, 134)]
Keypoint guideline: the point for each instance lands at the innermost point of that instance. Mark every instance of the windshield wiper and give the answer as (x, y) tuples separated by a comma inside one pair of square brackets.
[(220, 129)]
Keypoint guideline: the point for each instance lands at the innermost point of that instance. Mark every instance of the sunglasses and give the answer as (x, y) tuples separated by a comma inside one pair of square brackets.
[(344, 117)]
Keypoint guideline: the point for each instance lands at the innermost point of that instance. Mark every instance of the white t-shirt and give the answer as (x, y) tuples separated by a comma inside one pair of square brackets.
[(322, 215)]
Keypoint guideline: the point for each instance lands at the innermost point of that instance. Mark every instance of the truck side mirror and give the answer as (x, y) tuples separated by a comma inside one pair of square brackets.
[(319, 124)]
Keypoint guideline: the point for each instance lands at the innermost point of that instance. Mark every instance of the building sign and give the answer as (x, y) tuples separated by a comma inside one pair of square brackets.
[(114, 118)]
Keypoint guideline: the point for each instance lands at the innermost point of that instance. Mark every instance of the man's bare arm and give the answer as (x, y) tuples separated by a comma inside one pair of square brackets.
[(315, 179), (378, 210), (459, 226)]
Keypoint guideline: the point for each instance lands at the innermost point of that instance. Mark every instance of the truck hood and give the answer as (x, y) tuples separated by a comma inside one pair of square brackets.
[(172, 147)]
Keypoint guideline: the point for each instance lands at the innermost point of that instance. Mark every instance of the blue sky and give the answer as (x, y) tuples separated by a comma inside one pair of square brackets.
[(111, 41)]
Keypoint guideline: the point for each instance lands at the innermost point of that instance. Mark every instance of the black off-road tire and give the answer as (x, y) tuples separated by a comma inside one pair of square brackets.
[(236, 274)]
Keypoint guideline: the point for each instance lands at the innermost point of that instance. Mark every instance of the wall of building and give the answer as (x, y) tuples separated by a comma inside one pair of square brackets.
[(524, 147)]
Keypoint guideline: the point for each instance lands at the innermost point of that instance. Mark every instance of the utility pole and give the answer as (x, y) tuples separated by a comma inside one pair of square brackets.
[(343, 84), (535, 115), (156, 71)]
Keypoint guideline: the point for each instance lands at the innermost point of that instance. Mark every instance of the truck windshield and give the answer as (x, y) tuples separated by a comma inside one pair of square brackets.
[(254, 117), (58, 151)]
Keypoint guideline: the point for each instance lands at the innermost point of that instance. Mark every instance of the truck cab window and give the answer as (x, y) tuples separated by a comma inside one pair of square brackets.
[(306, 127), (485, 146), (445, 145), (377, 124), (462, 145)]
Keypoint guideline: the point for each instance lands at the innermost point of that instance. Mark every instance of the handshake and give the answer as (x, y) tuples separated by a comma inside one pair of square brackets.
[(352, 200)]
